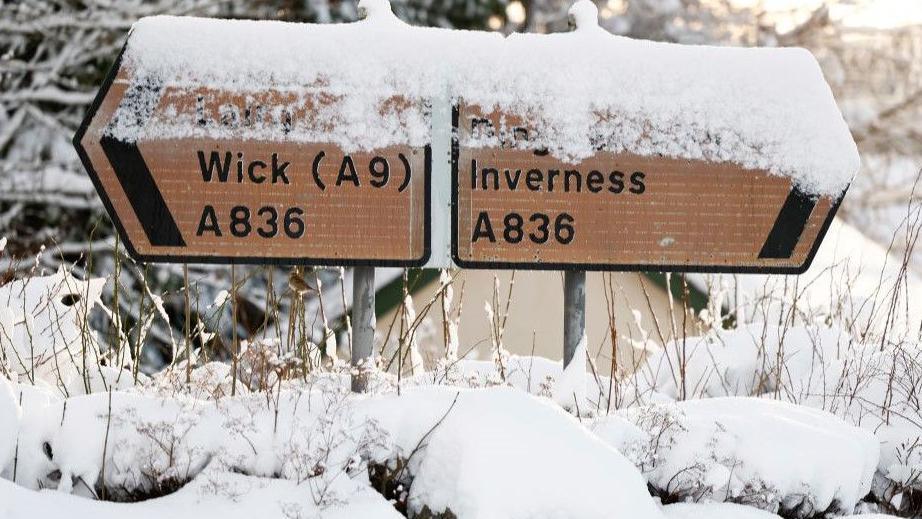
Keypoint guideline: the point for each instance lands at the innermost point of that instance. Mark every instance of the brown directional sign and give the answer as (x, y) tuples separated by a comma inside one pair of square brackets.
[(514, 207), (234, 195)]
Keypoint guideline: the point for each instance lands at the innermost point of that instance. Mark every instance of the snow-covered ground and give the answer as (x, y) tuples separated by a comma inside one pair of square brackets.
[(797, 421)]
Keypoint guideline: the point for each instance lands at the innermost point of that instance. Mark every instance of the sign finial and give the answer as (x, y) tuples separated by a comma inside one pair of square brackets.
[(584, 15), (376, 10)]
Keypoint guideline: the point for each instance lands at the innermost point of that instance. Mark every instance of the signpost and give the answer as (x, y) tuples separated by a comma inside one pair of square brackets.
[(242, 169)]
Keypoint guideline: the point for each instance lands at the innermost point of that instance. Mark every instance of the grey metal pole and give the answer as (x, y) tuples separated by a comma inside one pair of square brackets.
[(574, 312), (363, 326)]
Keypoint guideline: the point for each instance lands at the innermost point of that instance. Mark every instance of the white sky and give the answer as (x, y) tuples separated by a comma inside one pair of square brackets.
[(883, 14)]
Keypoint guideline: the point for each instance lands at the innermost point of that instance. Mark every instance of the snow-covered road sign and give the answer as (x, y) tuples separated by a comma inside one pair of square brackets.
[(191, 173), (515, 206), (332, 144)]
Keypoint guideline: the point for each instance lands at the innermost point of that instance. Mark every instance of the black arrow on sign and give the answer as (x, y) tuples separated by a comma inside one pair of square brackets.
[(789, 226), (139, 186), (132, 172)]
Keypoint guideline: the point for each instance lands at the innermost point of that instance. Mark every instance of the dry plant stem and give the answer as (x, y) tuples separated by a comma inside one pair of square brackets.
[(445, 319), (531, 359), (140, 326), (105, 448), (498, 323), (684, 362), (422, 441), (402, 335), (502, 327), (656, 325), (408, 329), (609, 292), (117, 318), (413, 326), (387, 338), (272, 302), (270, 292), (347, 319), (16, 451), (84, 332), (234, 342), (327, 332), (200, 327), (675, 334), (187, 325)]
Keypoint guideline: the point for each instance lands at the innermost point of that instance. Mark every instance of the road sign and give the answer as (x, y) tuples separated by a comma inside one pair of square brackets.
[(517, 207), (240, 190)]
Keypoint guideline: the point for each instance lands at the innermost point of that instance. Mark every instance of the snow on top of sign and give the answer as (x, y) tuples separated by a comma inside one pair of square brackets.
[(760, 108)]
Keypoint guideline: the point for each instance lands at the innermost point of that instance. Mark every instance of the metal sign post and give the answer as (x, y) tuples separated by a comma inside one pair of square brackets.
[(574, 313), (363, 326)]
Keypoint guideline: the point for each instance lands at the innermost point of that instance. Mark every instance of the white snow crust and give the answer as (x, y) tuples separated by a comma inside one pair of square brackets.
[(762, 108)]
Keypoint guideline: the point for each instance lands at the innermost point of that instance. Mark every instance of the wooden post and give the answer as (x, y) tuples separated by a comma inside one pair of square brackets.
[(363, 326), (574, 312)]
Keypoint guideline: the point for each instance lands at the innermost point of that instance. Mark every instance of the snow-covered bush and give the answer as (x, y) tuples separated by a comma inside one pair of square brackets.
[(871, 382), (473, 453), (877, 389), (763, 453), (750, 360), (124, 445), (501, 453), (45, 337)]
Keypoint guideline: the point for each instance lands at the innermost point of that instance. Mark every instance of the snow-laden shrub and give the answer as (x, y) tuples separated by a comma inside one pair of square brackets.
[(212, 380), (772, 455), (876, 387), (499, 452), (45, 336), (125, 445), (871, 383), (747, 361), (494, 452)]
